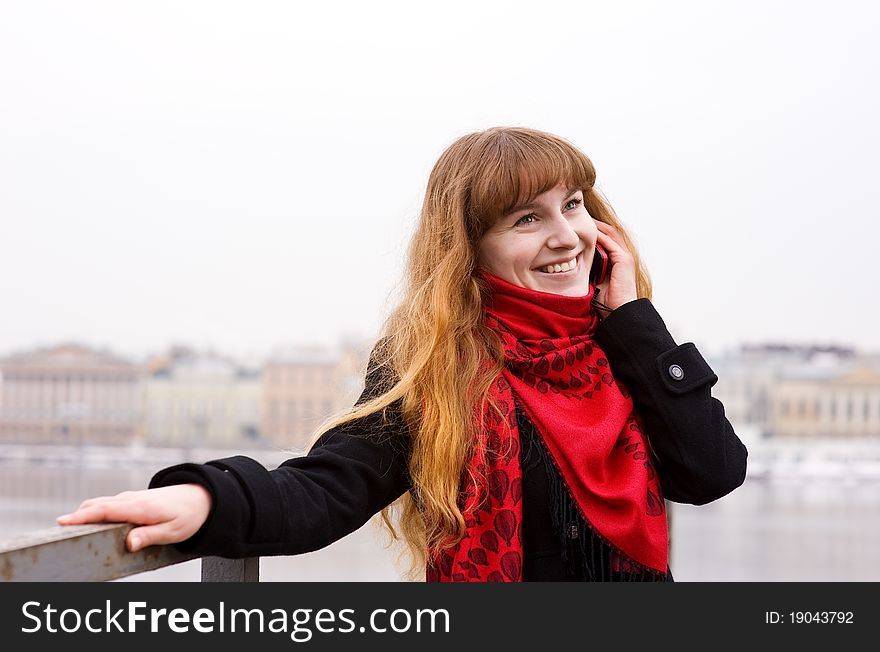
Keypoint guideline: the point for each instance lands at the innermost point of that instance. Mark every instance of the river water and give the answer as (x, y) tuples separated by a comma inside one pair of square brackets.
[(791, 529)]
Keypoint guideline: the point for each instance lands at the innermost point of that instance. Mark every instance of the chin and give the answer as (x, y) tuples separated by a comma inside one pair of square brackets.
[(573, 292), (576, 287)]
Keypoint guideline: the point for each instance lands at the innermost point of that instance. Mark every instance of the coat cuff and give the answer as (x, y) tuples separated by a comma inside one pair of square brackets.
[(263, 497), (228, 522), (684, 369)]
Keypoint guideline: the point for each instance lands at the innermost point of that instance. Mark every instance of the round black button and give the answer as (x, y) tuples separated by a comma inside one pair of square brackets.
[(676, 372)]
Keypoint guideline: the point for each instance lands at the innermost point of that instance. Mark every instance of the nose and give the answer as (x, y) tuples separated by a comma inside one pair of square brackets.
[(562, 235)]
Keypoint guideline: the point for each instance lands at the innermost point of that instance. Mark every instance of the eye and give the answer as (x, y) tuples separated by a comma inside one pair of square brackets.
[(571, 204)]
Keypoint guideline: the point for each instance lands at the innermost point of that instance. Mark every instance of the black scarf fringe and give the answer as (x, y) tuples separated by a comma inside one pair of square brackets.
[(578, 538)]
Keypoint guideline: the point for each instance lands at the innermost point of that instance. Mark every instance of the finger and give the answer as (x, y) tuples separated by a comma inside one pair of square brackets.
[(87, 512), (615, 244), (608, 227), (607, 241), (91, 501), (105, 512), (150, 535), (125, 495), (609, 231), (89, 504), (91, 514)]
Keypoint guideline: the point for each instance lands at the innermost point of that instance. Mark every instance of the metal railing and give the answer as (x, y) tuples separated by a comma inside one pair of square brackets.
[(97, 553)]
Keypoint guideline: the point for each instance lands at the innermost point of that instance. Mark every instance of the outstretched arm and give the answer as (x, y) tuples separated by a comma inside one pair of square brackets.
[(235, 507)]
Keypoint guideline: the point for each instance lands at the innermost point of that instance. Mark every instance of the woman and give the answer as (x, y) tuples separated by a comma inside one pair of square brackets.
[(512, 427)]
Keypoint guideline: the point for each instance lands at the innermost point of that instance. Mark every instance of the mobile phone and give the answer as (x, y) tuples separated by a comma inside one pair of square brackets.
[(601, 265)]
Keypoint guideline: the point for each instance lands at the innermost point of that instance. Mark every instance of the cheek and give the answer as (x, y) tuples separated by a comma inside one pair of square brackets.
[(519, 257), (510, 257), (590, 232), (484, 252), (493, 256)]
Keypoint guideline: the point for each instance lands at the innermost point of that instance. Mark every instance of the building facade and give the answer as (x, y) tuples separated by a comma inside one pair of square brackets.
[(200, 400), (801, 392), (70, 394), (303, 386)]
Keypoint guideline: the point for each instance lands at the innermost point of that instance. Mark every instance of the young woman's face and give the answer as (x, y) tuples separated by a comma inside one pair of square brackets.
[(554, 229)]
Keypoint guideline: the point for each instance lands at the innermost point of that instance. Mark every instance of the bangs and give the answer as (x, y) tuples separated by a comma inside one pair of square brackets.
[(517, 166)]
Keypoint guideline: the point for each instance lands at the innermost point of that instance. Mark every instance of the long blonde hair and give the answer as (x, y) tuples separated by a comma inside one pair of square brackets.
[(432, 344)]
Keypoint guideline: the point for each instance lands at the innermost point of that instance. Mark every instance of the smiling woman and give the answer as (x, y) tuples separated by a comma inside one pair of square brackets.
[(508, 430), (546, 246)]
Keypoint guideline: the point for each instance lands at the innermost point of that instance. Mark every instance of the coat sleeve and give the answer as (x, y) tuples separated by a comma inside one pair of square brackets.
[(352, 472), (698, 455)]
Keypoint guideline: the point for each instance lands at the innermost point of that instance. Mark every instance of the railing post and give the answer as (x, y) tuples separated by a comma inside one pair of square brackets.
[(220, 569)]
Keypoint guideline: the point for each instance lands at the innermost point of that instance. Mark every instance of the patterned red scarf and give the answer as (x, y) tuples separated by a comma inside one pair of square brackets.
[(562, 380)]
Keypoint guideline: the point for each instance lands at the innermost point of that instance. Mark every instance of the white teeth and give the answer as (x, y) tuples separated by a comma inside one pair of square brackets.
[(564, 267)]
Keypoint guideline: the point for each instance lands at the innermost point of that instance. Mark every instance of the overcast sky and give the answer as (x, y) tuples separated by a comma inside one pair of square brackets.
[(247, 175)]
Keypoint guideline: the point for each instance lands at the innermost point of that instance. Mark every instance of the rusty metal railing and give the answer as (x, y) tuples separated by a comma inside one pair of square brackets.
[(97, 553)]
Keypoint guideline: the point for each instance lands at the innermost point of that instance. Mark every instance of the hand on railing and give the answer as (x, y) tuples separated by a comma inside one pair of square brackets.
[(167, 514)]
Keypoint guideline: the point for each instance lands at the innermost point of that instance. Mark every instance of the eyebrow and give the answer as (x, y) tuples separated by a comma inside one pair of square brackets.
[(531, 205)]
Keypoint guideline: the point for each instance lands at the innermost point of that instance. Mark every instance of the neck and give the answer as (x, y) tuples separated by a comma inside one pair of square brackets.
[(532, 314)]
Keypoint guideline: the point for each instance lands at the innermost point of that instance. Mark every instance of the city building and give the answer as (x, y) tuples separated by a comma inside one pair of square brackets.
[(303, 386), (801, 392), (70, 394), (196, 399)]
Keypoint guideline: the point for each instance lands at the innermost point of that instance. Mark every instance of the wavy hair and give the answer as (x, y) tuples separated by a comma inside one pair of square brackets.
[(437, 356)]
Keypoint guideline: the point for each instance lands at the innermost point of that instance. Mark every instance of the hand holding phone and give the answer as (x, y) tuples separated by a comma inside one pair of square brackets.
[(601, 266), (618, 277), (599, 271)]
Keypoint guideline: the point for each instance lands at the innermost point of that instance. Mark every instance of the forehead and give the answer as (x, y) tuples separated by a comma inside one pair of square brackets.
[(506, 195), (561, 188), (514, 171)]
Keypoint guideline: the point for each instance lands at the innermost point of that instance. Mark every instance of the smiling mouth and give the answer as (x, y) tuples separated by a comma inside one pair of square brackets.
[(560, 269)]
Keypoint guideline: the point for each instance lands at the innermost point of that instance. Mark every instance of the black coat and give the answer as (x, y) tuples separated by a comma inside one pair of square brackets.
[(350, 474)]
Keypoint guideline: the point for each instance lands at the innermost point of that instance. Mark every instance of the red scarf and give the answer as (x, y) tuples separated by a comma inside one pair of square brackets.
[(562, 380)]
